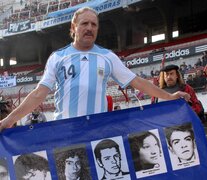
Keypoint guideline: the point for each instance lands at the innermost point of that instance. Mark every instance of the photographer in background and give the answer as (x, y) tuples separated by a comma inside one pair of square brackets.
[(35, 117), (5, 107)]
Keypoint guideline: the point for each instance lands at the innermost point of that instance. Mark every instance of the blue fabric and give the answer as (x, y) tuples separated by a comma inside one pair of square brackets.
[(83, 130)]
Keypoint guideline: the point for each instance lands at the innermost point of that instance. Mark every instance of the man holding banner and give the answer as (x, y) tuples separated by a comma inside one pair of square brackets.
[(80, 72), (171, 81)]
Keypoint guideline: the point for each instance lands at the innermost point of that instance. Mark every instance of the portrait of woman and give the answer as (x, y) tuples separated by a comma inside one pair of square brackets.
[(147, 153)]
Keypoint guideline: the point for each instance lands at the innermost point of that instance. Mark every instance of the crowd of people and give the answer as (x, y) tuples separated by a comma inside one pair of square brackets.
[(37, 10)]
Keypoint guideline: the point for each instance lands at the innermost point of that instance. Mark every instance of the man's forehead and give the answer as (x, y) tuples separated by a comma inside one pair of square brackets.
[(109, 151), (86, 14), (170, 71), (179, 134)]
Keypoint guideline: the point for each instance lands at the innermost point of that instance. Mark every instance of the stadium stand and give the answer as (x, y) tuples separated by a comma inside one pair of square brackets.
[(32, 10)]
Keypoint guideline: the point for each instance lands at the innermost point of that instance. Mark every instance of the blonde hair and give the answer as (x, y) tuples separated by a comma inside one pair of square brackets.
[(162, 83), (75, 17)]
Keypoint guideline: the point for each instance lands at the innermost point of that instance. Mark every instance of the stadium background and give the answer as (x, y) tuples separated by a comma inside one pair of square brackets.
[(128, 30)]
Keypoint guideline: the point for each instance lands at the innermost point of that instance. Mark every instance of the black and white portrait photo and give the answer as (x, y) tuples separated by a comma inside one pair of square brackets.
[(72, 163), (110, 159), (33, 166), (4, 172), (147, 153), (182, 146)]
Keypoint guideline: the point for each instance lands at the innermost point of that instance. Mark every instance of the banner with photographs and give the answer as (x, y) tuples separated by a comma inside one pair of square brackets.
[(162, 141)]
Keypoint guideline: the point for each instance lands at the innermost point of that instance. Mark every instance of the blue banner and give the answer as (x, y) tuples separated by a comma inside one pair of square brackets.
[(162, 141)]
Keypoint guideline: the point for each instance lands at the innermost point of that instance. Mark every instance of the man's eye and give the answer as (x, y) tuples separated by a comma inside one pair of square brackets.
[(188, 139), (107, 158)]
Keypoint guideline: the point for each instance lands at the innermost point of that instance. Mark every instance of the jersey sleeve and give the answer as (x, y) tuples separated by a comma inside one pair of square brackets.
[(49, 78), (120, 73)]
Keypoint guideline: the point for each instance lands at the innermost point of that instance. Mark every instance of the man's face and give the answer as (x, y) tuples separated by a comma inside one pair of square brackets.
[(34, 175), (170, 77), (150, 152), (72, 168), (111, 160), (85, 29), (182, 145), (3, 173)]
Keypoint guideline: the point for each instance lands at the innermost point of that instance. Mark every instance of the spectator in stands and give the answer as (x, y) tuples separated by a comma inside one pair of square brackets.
[(35, 117), (142, 75), (183, 66), (152, 73), (199, 62), (171, 81), (190, 81), (204, 61), (189, 67), (204, 58), (200, 80), (80, 72)]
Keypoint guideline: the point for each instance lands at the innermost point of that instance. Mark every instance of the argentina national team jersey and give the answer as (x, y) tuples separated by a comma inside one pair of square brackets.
[(80, 79)]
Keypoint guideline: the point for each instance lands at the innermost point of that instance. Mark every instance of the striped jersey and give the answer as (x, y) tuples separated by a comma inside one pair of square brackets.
[(80, 79)]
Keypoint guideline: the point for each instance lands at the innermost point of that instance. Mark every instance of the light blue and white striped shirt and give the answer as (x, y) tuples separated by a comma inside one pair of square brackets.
[(80, 79)]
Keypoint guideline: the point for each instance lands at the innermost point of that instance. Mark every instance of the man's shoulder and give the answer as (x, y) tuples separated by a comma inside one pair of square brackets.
[(63, 50), (102, 50), (187, 87)]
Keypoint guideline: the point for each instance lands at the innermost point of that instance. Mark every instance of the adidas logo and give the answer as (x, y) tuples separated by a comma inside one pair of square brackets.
[(84, 59)]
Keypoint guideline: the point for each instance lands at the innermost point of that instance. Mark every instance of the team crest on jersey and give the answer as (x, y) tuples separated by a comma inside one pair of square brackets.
[(100, 71)]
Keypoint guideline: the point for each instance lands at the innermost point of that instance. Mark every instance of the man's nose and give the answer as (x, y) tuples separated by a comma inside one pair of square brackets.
[(89, 26)]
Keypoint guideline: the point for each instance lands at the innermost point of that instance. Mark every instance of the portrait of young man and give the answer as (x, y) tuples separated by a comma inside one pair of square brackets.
[(33, 166), (72, 163), (110, 158), (182, 146), (4, 173), (147, 153)]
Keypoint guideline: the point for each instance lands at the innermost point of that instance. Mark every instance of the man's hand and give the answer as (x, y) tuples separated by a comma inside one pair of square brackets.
[(180, 94)]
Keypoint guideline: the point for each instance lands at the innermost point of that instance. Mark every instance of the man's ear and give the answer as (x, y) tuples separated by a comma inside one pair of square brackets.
[(72, 27), (99, 163)]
